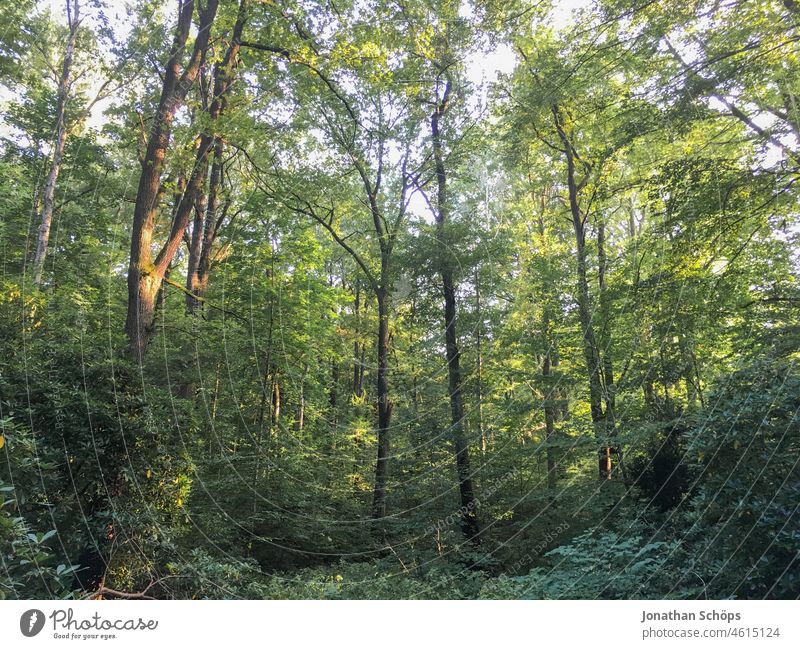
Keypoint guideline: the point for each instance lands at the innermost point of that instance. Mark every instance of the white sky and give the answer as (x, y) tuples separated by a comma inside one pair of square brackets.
[(485, 67)]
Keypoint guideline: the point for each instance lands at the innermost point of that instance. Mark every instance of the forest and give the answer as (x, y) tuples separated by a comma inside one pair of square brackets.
[(399, 299)]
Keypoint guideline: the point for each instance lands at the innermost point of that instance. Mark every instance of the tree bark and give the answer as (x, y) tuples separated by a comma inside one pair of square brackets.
[(479, 360), (358, 355), (206, 227), (384, 407), (299, 422), (48, 198), (145, 275)]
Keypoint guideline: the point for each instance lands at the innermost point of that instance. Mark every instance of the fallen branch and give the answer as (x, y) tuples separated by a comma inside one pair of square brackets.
[(119, 594)]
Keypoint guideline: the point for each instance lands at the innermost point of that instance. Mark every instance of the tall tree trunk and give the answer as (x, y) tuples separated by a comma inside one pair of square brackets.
[(591, 351), (384, 406), (195, 246), (300, 421), (362, 365), (48, 198), (469, 519), (301, 411), (413, 370), (550, 415), (266, 385), (145, 275), (206, 228), (609, 389), (479, 359), (551, 406), (358, 360), (275, 408)]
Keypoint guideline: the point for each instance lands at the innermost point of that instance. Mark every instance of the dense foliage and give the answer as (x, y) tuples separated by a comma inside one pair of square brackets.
[(400, 299)]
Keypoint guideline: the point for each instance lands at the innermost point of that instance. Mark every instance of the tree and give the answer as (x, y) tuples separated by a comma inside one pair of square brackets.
[(210, 213), (146, 274), (388, 261), (361, 129), (48, 195), (448, 44)]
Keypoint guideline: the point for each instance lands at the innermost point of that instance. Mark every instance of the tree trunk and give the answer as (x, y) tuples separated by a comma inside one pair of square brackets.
[(591, 350), (551, 407), (206, 228), (300, 421), (276, 401), (146, 275), (266, 386), (479, 360), (384, 407), (358, 362), (550, 414), (195, 246), (46, 221), (359, 348), (469, 518), (609, 389)]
